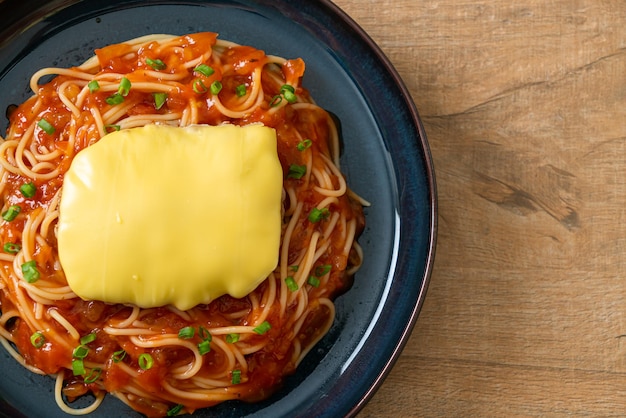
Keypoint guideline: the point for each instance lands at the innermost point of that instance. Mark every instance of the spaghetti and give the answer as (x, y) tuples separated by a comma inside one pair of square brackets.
[(163, 361)]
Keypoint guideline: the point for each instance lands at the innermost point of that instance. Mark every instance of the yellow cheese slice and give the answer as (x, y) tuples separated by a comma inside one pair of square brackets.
[(163, 215)]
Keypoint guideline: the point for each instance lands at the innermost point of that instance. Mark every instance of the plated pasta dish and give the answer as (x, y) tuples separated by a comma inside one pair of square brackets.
[(175, 225)]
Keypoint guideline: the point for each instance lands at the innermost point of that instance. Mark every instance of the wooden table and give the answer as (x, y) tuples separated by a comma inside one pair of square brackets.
[(524, 104)]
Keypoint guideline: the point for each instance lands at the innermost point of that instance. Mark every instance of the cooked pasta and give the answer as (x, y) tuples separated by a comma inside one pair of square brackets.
[(162, 360)]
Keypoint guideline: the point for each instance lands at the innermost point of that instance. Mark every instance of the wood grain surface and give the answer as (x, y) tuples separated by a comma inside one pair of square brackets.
[(524, 104)]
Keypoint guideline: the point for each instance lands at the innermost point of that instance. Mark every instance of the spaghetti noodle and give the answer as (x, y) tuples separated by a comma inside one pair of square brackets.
[(163, 361)]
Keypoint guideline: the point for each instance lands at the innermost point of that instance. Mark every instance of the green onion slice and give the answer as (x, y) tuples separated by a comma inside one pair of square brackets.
[(240, 90), (11, 213), (314, 281), (262, 328), (115, 99), (296, 171), (111, 128), (37, 339), (287, 88), (11, 248), (175, 410), (93, 375), (204, 334), (317, 215), (30, 272), (322, 270), (232, 338), (294, 268), (145, 361), (289, 93), (118, 356), (186, 333), (204, 69), (93, 86), (276, 100), (46, 126), (28, 189), (236, 379), (216, 87), (159, 100), (156, 64), (80, 352), (124, 87), (204, 347), (86, 339), (78, 367), (302, 145), (291, 283), (198, 86)]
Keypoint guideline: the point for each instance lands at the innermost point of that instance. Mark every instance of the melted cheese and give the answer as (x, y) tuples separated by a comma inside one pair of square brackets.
[(163, 215)]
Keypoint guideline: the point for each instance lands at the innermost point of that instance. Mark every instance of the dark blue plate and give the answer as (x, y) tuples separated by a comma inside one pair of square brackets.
[(386, 159)]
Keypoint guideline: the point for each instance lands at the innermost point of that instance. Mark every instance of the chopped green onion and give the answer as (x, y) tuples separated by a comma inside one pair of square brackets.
[(46, 126), (236, 377), (240, 90), (276, 100), (175, 410), (304, 144), (204, 69), (198, 86), (204, 347), (115, 99), (287, 88), (12, 248), (262, 328), (37, 339), (296, 171), (314, 281), (28, 189), (78, 367), (322, 270), (93, 375), (159, 100), (93, 86), (156, 64), (80, 352), (204, 334), (86, 339), (291, 283), (145, 361), (317, 215), (118, 356), (124, 87), (294, 268), (186, 333), (11, 213), (30, 272), (232, 338), (289, 93), (216, 87), (111, 128)]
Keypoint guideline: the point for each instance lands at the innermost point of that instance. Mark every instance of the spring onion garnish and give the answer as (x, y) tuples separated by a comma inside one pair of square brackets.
[(317, 215), (294, 268), (291, 283), (28, 189), (11, 248), (204, 69), (236, 377), (216, 87), (159, 100), (204, 334), (314, 281), (86, 339), (296, 171), (240, 90), (46, 126), (276, 100), (124, 87), (198, 86), (111, 128), (175, 410), (93, 375), (80, 352), (156, 64), (322, 270), (145, 361), (115, 99), (289, 93), (262, 328), (11, 213), (302, 145), (93, 86), (30, 272), (232, 338), (37, 339), (78, 367), (204, 347), (118, 356), (186, 333)]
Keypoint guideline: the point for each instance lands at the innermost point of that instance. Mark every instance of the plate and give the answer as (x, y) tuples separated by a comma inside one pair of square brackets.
[(386, 160)]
